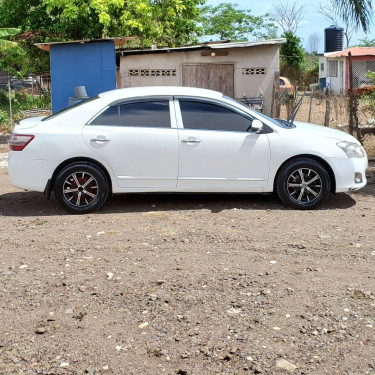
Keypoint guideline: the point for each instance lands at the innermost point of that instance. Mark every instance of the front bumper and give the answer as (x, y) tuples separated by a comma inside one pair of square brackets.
[(347, 171)]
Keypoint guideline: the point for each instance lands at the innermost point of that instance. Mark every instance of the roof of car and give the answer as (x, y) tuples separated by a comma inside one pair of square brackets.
[(131, 92)]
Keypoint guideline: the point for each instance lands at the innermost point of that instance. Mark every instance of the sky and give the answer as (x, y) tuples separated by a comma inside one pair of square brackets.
[(313, 22)]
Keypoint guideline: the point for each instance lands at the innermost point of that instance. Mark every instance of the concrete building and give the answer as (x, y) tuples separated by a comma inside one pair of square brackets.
[(334, 68), (244, 69)]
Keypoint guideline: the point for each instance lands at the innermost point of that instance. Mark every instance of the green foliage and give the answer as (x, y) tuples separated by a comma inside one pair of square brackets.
[(167, 23), (360, 11), (7, 45), (4, 118), (291, 52), (366, 42), (234, 24), (21, 101)]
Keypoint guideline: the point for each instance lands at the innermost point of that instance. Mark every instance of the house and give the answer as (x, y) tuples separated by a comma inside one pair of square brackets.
[(334, 68), (239, 70)]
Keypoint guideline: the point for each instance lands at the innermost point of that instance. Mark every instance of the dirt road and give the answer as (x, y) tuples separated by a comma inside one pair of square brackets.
[(187, 284)]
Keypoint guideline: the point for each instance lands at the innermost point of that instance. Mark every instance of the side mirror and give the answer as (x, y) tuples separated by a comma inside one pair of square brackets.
[(257, 127)]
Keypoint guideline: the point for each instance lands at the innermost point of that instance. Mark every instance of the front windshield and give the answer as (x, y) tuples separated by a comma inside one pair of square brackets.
[(274, 121), (69, 108)]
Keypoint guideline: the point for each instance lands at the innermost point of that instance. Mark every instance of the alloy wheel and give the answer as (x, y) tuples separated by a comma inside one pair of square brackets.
[(80, 189), (304, 185)]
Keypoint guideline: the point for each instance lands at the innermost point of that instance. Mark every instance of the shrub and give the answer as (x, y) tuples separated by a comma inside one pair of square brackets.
[(364, 91), (4, 118)]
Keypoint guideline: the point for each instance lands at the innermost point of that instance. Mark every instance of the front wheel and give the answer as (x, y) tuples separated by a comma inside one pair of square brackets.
[(81, 188), (303, 184)]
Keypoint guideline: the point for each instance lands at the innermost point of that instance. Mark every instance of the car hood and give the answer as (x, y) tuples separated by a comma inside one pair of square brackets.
[(305, 128), (29, 122)]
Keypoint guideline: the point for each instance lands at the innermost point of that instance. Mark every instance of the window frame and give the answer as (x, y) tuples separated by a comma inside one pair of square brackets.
[(153, 98), (330, 63), (212, 102)]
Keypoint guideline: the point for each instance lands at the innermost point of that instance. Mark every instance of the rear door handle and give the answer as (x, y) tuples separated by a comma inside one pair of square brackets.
[(100, 139), (191, 140)]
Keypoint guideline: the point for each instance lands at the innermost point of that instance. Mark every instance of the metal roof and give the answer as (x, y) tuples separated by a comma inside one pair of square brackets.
[(203, 46), (356, 51), (117, 41)]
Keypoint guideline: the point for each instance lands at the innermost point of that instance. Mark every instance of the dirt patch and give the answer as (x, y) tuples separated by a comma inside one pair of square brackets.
[(187, 284)]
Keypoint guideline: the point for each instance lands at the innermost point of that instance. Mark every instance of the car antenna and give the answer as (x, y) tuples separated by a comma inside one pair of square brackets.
[(295, 109)]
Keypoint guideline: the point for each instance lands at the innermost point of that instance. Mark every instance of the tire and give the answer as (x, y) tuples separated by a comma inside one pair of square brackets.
[(303, 184), (89, 188)]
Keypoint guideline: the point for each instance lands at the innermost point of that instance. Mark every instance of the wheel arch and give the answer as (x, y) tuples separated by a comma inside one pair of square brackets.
[(316, 158), (77, 160)]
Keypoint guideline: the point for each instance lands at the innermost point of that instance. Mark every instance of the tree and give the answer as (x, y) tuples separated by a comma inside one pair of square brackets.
[(288, 16), (359, 11), (366, 42), (5, 34), (167, 22), (313, 42), (333, 14), (228, 22), (292, 55)]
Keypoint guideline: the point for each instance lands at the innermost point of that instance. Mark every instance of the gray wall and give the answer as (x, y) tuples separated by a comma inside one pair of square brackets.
[(265, 56)]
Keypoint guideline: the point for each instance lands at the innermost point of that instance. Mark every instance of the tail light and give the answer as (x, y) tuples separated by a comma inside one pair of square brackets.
[(19, 141)]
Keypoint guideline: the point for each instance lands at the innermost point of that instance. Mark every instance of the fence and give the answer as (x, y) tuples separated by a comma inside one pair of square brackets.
[(328, 109), (21, 95)]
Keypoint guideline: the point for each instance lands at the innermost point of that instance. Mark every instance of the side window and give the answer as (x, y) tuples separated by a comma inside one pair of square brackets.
[(150, 114), (207, 116), (108, 117)]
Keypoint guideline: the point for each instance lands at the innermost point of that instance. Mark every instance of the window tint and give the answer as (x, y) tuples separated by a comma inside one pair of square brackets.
[(200, 115), (108, 117), (151, 114)]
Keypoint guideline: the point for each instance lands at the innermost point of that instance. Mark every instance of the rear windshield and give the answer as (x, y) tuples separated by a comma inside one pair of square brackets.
[(58, 113)]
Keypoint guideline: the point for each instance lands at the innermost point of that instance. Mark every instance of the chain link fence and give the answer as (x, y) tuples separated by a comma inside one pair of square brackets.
[(19, 96)]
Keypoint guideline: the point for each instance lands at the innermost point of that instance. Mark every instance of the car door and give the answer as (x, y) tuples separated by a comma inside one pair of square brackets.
[(218, 151), (139, 140)]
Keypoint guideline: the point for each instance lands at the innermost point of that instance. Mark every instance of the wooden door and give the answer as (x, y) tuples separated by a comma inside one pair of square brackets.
[(219, 77)]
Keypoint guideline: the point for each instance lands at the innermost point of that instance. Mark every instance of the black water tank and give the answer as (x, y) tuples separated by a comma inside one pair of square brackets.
[(333, 39)]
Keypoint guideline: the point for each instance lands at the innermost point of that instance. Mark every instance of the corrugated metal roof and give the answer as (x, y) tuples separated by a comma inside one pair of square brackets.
[(117, 41), (356, 51), (247, 44), (203, 46)]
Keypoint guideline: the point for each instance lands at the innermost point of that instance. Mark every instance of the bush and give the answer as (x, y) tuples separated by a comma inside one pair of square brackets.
[(365, 91), (4, 118)]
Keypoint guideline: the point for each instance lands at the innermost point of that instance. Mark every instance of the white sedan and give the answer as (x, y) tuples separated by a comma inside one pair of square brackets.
[(179, 139)]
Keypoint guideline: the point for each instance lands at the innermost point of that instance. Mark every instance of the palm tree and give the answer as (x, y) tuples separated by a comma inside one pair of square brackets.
[(360, 11), (7, 33)]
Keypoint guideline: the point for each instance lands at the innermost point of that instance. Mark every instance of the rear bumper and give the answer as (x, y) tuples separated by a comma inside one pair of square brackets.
[(29, 174), (345, 172)]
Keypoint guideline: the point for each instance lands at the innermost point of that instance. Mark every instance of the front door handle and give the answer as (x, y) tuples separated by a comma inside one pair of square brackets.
[(191, 140), (100, 139)]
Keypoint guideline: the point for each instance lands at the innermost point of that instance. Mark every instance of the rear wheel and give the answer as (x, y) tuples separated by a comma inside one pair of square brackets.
[(303, 184), (81, 188)]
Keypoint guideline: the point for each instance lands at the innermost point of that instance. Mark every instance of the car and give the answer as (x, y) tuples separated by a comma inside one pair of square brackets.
[(286, 85), (179, 139)]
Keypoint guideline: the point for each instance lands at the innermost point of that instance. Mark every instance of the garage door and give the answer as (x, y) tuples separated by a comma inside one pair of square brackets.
[(219, 77)]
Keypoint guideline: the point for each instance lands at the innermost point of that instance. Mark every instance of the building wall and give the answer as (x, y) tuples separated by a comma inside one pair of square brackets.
[(250, 85), (335, 82), (90, 64)]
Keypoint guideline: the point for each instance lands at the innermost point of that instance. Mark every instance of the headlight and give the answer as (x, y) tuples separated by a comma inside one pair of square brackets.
[(352, 150)]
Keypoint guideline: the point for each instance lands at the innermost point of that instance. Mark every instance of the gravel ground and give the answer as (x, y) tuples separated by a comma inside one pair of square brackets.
[(187, 284)]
